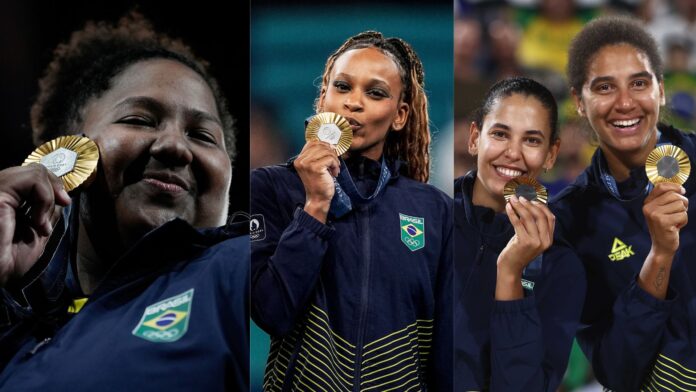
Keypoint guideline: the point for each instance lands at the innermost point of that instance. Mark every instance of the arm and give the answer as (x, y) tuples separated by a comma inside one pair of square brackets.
[(286, 263), (531, 337), (623, 343)]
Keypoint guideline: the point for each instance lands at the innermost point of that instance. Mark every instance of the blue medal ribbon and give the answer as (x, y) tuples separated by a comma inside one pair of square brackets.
[(346, 193), (609, 180)]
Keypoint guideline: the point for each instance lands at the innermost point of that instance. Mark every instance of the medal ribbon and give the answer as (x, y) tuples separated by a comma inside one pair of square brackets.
[(346, 193)]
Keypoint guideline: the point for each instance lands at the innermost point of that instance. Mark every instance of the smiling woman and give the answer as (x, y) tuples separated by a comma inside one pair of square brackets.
[(144, 252)]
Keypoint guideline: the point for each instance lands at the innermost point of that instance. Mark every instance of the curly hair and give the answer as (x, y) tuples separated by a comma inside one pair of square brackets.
[(606, 31), (412, 143), (85, 66), (519, 85)]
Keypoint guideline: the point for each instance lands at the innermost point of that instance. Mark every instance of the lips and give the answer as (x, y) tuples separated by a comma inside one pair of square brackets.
[(166, 181), (354, 124)]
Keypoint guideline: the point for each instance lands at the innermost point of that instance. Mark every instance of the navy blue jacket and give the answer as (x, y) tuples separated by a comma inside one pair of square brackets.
[(349, 306), (634, 340), (194, 339), (520, 345)]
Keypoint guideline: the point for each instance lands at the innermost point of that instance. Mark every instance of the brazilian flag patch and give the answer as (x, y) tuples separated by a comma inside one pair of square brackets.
[(412, 231), (167, 320)]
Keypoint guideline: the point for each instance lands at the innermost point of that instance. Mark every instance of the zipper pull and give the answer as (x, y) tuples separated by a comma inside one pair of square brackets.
[(38, 346)]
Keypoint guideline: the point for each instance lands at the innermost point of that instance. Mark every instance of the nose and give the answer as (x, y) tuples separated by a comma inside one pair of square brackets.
[(353, 101), (172, 148), (625, 101), (513, 151)]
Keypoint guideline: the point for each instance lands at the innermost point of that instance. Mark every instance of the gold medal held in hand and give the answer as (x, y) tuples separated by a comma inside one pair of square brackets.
[(72, 158), (526, 187), (668, 163), (331, 128)]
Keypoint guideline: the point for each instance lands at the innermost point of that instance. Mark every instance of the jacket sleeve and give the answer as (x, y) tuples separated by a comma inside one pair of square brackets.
[(442, 368), (286, 259), (622, 344), (531, 338)]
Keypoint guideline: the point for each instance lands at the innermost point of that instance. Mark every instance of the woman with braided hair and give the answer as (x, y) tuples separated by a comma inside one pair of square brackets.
[(356, 294)]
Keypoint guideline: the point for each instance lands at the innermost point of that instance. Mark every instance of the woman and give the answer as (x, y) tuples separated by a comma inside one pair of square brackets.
[(518, 297), (361, 300), (166, 297), (630, 235)]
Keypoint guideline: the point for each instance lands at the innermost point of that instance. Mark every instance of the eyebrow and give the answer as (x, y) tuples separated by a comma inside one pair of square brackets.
[(527, 132), (372, 81), (600, 79), (158, 107)]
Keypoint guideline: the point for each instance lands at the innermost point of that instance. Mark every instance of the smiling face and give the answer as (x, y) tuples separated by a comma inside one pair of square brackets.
[(621, 98), (515, 140), (162, 152), (365, 87)]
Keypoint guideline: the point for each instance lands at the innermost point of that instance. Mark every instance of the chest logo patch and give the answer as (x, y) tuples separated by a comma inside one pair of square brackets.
[(412, 231), (166, 321), (620, 251)]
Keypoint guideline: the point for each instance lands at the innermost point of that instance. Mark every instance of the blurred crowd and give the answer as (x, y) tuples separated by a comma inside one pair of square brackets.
[(497, 39)]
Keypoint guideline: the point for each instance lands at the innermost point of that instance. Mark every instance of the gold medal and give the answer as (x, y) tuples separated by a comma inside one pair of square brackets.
[(72, 158), (668, 163), (526, 187), (331, 128)]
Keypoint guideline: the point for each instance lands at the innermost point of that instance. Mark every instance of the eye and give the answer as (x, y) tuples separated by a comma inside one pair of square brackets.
[(341, 86), (640, 84), (202, 135), (604, 88), (498, 134), (535, 141), (377, 93), (138, 120)]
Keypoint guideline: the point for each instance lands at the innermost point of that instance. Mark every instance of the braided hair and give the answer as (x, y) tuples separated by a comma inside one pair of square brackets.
[(412, 143)]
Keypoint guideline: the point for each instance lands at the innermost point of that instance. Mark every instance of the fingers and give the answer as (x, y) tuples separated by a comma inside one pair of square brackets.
[(532, 221), (664, 188), (317, 156)]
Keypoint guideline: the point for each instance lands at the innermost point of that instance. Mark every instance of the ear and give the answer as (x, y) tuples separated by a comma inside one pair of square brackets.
[(474, 134), (662, 93), (552, 154), (579, 106), (401, 117)]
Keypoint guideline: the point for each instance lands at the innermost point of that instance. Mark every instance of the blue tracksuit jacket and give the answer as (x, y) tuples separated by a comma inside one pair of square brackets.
[(171, 315), (520, 345), (350, 306), (635, 341)]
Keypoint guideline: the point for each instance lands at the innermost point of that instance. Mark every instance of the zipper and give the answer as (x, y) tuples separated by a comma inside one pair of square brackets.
[(364, 291), (38, 347)]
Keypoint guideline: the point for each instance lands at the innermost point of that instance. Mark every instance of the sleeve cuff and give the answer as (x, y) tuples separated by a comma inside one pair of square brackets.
[(635, 292), (308, 222), (514, 306)]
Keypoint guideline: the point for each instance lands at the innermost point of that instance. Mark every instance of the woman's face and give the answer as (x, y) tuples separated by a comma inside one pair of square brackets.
[(162, 151), (515, 140), (365, 87), (621, 99)]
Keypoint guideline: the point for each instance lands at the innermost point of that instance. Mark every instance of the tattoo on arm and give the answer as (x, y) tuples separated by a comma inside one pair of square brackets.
[(660, 278)]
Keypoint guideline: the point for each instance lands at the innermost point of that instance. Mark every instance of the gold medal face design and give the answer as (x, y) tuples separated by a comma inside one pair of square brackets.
[(526, 187), (331, 128), (72, 158), (668, 163)]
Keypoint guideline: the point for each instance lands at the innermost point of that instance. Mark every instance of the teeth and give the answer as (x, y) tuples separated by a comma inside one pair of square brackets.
[(508, 172), (626, 123)]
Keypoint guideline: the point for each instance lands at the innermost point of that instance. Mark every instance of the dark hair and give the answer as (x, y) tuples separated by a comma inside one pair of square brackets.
[(606, 31), (412, 143), (84, 67), (524, 86)]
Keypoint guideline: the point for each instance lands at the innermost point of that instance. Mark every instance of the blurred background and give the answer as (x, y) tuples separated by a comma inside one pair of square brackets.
[(289, 48), (30, 30), (494, 39)]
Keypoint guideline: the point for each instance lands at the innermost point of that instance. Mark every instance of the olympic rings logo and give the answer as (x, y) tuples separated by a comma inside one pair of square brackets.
[(411, 241), (161, 335)]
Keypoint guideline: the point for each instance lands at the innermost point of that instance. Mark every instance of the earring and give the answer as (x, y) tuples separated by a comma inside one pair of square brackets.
[(546, 169)]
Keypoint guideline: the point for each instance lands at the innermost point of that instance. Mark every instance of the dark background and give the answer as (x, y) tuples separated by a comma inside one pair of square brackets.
[(30, 30)]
